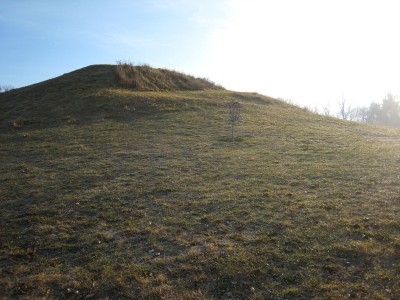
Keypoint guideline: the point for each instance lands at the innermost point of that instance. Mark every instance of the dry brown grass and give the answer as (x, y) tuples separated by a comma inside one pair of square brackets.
[(145, 78), (143, 195)]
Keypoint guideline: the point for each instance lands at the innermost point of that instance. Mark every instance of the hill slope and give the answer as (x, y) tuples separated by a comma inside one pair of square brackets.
[(88, 94), (112, 192)]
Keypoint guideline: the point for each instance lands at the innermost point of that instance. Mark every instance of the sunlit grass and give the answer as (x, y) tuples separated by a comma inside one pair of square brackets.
[(150, 198)]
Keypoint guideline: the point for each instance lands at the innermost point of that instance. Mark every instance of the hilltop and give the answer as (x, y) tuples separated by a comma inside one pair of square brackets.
[(88, 93), (114, 191)]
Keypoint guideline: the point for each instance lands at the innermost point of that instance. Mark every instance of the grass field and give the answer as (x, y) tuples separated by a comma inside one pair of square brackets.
[(110, 193)]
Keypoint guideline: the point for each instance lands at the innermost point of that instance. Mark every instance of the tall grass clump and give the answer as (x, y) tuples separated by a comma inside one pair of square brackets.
[(146, 78)]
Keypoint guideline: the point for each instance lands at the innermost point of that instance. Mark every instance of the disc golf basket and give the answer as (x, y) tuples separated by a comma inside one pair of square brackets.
[(233, 115)]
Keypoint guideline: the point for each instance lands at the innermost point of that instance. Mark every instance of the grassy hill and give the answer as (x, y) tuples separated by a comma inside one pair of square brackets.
[(109, 191)]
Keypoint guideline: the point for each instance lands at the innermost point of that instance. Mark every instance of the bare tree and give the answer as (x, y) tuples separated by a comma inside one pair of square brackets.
[(344, 109), (6, 88), (359, 114), (326, 111)]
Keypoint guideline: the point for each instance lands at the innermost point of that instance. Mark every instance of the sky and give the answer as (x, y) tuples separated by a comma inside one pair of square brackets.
[(311, 52)]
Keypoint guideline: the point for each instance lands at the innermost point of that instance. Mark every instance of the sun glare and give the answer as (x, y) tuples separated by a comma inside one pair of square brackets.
[(308, 51)]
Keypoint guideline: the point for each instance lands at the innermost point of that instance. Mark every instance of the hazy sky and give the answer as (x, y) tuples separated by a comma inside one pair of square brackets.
[(310, 51)]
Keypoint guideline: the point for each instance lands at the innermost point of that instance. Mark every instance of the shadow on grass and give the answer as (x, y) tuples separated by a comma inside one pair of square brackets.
[(229, 139)]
